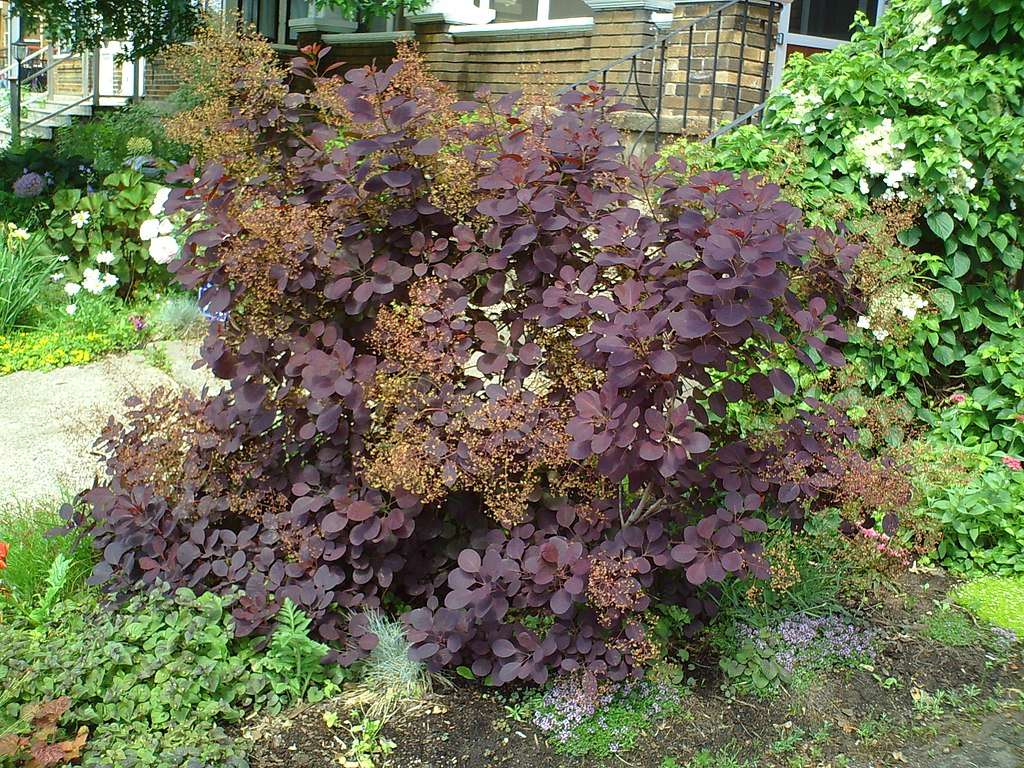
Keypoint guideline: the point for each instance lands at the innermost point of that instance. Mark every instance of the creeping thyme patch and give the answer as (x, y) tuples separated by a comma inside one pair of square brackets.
[(582, 724)]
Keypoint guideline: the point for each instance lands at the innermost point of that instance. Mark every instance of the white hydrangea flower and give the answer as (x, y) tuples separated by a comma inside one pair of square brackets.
[(880, 334), (864, 322), (865, 185), (166, 227), (109, 279), (803, 103), (72, 289), (149, 229), (159, 201), (163, 249), (105, 257), (909, 304)]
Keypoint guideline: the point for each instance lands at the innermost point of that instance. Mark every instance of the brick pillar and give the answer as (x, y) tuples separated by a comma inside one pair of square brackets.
[(717, 63), (432, 26)]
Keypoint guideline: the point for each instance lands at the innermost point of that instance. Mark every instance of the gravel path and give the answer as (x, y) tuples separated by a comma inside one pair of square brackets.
[(50, 419)]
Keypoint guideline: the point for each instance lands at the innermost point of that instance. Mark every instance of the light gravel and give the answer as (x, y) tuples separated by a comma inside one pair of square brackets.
[(49, 420)]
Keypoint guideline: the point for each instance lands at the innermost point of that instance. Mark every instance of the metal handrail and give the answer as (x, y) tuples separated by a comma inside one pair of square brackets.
[(647, 65), (30, 57), (688, 27), (61, 111)]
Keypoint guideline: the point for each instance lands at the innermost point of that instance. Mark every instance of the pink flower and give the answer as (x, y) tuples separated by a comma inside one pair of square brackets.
[(1019, 416), (958, 398), (1012, 463)]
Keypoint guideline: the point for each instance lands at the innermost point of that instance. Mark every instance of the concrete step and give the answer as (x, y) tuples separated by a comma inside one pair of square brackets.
[(48, 118), (44, 132)]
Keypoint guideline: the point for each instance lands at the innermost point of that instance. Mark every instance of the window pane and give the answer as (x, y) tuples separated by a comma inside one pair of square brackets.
[(569, 9), (515, 10), (267, 24), (828, 18)]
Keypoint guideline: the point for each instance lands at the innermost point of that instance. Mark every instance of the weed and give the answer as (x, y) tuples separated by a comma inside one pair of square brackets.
[(723, 757), (156, 356)]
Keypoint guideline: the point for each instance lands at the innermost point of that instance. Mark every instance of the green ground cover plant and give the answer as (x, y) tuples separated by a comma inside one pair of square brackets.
[(997, 600), (157, 680), (100, 325)]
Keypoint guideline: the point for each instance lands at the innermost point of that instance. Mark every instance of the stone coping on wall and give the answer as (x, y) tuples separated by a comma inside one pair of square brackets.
[(355, 38), (515, 29)]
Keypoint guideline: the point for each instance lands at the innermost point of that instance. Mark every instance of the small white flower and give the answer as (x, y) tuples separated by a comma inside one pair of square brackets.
[(166, 227), (63, 258), (92, 281), (71, 309), (163, 249), (72, 289), (150, 228), (881, 334), (57, 277), (865, 187), (81, 218), (109, 280), (157, 208), (105, 257), (864, 322)]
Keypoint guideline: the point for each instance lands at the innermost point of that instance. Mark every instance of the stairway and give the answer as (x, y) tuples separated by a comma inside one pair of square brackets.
[(59, 87)]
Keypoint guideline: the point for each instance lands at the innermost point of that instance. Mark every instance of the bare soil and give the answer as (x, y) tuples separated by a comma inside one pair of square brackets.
[(852, 719)]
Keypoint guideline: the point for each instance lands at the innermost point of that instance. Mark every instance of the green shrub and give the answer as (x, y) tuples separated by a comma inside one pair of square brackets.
[(983, 521), (990, 417), (100, 231), (111, 139), (995, 599), (156, 681), (25, 269)]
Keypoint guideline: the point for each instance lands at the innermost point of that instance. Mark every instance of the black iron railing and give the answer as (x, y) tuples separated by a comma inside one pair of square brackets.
[(703, 78)]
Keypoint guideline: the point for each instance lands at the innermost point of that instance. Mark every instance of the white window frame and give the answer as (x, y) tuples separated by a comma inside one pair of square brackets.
[(787, 38)]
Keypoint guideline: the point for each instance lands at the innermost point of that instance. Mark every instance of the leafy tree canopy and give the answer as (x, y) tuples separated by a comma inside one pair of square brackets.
[(148, 26)]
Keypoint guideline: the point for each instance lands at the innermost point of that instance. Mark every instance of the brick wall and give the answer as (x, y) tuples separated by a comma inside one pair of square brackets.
[(712, 71)]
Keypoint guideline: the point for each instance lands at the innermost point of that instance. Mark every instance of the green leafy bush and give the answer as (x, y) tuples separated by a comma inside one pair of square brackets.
[(156, 681), (983, 521), (100, 233), (110, 140), (990, 417)]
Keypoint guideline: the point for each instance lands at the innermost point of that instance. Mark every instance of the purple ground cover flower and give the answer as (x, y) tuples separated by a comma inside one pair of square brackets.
[(803, 640)]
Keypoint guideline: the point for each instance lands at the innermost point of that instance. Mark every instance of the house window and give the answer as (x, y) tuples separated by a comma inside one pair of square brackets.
[(536, 10), (828, 18), (271, 17)]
